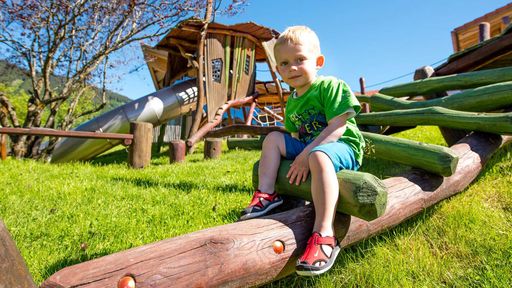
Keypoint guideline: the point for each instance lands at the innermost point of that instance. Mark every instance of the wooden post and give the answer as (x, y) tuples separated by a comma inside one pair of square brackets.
[(212, 148), (365, 107), (201, 97), (484, 31), (177, 151), (13, 270), (140, 150), (3, 146)]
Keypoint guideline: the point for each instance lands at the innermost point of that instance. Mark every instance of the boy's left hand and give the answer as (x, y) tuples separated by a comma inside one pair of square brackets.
[(299, 169)]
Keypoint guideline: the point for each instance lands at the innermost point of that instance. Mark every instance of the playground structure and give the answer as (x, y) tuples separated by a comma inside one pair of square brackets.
[(224, 56), (229, 255)]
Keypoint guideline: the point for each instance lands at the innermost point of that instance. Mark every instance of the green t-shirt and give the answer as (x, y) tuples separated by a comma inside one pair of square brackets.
[(327, 98)]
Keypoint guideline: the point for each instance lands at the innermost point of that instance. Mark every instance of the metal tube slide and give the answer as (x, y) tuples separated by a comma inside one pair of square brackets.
[(156, 108)]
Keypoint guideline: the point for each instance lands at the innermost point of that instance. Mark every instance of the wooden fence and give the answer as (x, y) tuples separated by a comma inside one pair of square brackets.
[(139, 139)]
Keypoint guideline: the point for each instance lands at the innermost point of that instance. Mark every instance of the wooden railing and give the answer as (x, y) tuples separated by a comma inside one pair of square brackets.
[(139, 139)]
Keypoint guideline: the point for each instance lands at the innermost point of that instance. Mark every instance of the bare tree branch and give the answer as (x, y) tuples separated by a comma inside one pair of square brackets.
[(78, 41)]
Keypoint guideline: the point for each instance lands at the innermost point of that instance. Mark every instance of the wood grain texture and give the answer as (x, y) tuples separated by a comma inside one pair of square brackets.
[(13, 270), (139, 154), (233, 255), (241, 254), (413, 192)]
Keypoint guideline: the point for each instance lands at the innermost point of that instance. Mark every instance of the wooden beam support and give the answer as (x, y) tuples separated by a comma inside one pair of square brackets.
[(241, 254)]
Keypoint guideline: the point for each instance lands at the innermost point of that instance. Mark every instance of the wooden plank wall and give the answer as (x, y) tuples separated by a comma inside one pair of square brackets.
[(216, 82)]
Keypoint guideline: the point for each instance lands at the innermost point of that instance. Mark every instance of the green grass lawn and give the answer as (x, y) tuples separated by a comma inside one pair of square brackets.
[(64, 214)]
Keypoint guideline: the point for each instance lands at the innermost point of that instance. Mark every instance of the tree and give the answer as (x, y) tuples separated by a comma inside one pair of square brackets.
[(78, 41)]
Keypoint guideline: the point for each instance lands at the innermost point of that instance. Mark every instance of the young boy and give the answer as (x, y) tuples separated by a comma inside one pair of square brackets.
[(325, 139)]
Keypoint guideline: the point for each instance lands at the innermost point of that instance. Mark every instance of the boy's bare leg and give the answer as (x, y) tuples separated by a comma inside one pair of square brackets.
[(324, 190), (272, 150)]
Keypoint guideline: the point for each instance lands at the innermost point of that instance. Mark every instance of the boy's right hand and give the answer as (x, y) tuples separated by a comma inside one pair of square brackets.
[(299, 169)]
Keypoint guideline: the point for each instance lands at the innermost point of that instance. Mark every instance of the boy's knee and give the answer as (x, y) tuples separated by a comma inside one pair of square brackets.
[(318, 158), (273, 138)]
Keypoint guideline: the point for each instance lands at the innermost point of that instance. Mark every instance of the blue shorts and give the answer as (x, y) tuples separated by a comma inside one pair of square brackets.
[(341, 154)]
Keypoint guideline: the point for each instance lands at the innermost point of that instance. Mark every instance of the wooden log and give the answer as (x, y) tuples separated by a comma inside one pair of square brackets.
[(413, 192), (498, 123), (3, 146), (245, 143), (235, 255), (361, 194), (212, 148), (241, 254), (177, 151), (139, 154), (432, 158), (451, 136), (365, 107), (13, 270), (450, 82), (487, 98)]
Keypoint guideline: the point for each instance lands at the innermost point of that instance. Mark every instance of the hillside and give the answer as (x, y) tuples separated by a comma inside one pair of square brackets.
[(9, 73)]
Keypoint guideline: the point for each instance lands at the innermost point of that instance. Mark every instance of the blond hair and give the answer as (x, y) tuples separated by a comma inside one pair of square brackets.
[(299, 35)]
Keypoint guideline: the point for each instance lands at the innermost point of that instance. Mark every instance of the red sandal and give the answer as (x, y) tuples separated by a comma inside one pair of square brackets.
[(306, 265)]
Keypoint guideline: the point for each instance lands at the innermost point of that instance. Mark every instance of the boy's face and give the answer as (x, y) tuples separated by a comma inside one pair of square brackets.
[(298, 65)]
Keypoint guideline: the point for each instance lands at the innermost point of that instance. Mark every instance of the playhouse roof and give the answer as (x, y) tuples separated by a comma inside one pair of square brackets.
[(184, 38), (188, 33)]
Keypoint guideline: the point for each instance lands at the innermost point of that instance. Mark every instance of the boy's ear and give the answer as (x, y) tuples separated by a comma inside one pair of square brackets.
[(320, 61)]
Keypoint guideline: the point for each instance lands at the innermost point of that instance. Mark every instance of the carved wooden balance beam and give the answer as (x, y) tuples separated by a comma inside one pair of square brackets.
[(242, 253)]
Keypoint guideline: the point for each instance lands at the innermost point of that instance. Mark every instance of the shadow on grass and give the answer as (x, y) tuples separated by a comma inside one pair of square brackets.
[(232, 187), (120, 156), (185, 186), (66, 262), (115, 157)]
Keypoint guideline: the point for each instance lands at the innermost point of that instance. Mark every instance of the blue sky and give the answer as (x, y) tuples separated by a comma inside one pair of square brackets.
[(378, 40)]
